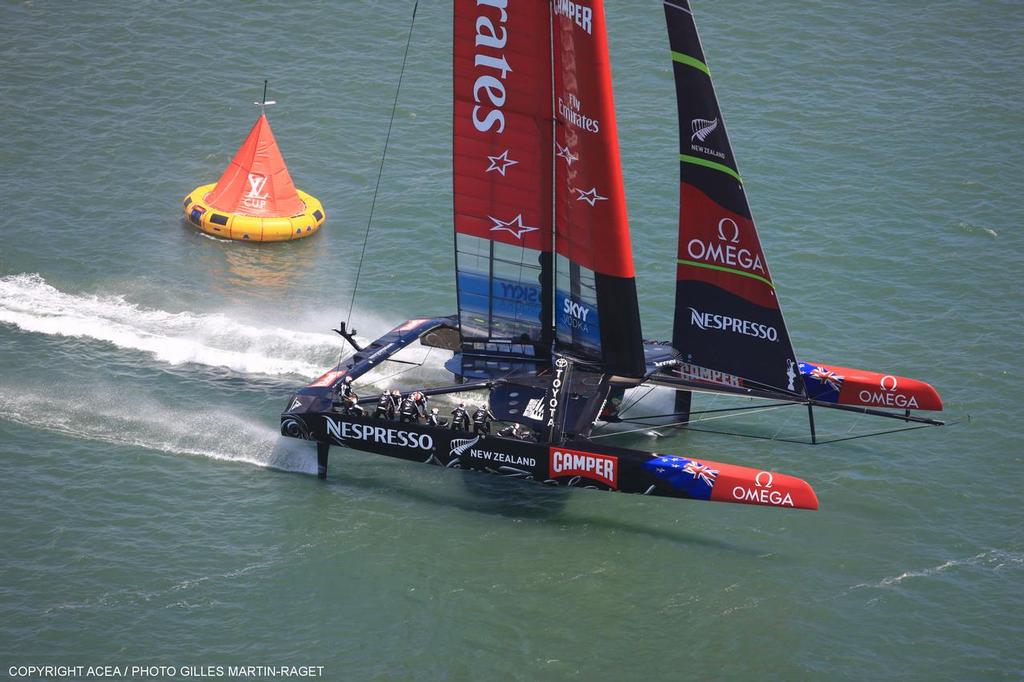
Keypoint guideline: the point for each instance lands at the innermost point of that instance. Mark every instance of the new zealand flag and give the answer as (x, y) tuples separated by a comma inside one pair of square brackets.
[(690, 477), (821, 383)]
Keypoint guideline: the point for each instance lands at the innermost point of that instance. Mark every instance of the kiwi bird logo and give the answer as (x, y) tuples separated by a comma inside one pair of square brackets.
[(701, 128)]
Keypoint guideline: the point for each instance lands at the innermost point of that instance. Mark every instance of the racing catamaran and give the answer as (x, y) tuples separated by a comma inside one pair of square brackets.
[(548, 326)]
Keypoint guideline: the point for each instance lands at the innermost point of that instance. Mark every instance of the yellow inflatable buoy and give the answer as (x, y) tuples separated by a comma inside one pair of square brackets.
[(255, 199), (226, 225)]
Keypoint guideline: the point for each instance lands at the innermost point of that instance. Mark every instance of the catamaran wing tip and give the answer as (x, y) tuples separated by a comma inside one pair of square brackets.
[(744, 485), (863, 388)]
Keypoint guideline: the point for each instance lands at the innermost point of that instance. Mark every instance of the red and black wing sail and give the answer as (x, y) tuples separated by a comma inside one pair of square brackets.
[(727, 316), (596, 311), (502, 160)]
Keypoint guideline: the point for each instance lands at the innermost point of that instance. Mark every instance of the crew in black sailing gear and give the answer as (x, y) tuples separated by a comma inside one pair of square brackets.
[(434, 419), (345, 390), (385, 406), (351, 407), (482, 419), (516, 431), (460, 418), (409, 411), (396, 402), (421, 403)]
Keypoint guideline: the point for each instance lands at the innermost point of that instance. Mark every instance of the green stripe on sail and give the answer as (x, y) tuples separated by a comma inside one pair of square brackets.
[(722, 268), (686, 158), (690, 61)]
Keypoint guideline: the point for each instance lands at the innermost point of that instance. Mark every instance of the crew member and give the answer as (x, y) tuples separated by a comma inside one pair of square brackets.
[(516, 431), (434, 419), (409, 411), (351, 406), (341, 393), (396, 402), (460, 418), (482, 419), (345, 390), (385, 406), (421, 403)]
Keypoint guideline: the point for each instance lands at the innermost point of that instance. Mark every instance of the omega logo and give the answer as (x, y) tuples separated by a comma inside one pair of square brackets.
[(735, 230)]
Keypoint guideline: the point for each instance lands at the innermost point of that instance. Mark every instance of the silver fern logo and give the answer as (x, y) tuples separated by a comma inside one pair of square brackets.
[(701, 128), (460, 445)]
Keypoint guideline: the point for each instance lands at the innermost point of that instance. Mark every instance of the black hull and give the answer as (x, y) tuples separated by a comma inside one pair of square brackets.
[(576, 463)]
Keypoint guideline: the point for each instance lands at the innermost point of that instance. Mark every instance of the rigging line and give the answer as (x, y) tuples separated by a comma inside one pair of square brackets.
[(805, 441), (874, 433), (683, 423), (413, 365), (752, 436), (745, 408), (635, 402), (391, 376), (380, 172)]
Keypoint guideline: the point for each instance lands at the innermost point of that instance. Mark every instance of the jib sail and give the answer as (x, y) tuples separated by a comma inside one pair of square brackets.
[(502, 170), (596, 312), (728, 322)]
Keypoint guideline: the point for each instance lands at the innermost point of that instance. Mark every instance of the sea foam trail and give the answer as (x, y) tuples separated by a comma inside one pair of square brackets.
[(995, 560), (102, 415), (216, 340)]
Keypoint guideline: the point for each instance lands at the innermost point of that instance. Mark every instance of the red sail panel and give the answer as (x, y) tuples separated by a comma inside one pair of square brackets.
[(502, 161), (257, 182), (722, 248), (596, 311), (593, 229), (502, 145)]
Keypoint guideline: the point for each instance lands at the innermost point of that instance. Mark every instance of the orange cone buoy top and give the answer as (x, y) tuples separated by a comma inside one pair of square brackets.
[(257, 182)]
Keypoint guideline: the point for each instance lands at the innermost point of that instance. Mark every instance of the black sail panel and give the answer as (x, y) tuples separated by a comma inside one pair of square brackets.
[(727, 316)]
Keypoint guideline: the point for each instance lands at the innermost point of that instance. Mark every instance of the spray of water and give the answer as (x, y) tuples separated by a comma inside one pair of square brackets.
[(216, 340), (100, 413)]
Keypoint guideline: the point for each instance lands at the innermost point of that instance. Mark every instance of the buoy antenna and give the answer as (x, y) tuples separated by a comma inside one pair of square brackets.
[(263, 104)]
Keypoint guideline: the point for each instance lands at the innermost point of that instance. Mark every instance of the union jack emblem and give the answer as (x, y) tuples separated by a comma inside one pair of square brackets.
[(701, 471), (827, 376)]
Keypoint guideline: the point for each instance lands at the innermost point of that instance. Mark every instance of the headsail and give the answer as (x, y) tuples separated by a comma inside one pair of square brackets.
[(727, 317), (596, 311), (502, 170)]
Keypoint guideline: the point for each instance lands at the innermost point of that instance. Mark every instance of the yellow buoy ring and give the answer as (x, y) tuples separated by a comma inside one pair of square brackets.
[(252, 228)]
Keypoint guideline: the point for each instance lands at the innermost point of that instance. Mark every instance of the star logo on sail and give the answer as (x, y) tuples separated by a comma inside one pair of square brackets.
[(564, 153), (500, 163), (514, 226), (590, 196)]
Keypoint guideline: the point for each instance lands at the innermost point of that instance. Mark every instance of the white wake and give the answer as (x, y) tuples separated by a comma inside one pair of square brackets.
[(215, 340), (103, 414)]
